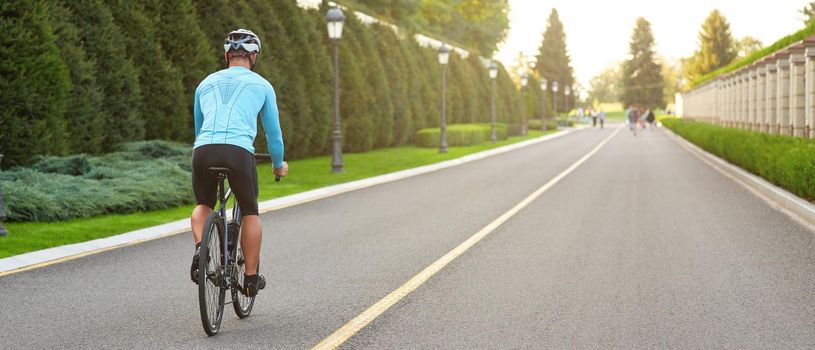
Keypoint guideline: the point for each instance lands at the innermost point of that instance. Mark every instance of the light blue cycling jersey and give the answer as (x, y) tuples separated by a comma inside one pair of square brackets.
[(227, 104)]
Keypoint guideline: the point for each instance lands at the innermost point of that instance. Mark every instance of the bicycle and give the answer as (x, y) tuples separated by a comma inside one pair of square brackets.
[(221, 265)]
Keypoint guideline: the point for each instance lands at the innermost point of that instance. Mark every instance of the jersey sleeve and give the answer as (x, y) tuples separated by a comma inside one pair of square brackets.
[(271, 124), (197, 115)]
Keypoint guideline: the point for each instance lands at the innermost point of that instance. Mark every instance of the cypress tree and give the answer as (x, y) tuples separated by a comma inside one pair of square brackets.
[(381, 113), (34, 82), (115, 73), (186, 48), (162, 107), (321, 88), (356, 94), (554, 63), (389, 48), (85, 121), (642, 81)]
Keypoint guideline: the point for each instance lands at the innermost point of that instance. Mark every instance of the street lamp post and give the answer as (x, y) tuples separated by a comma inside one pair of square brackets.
[(544, 85), (3, 231), (555, 88), (335, 20), (524, 81), (493, 75), (444, 56)]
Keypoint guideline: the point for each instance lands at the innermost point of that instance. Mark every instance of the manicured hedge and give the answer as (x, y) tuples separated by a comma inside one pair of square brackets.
[(460, 135), (785, 161), (84, 76), (140, 176)]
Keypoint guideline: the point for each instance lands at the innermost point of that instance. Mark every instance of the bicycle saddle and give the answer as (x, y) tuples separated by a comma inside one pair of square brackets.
[(218, 171)]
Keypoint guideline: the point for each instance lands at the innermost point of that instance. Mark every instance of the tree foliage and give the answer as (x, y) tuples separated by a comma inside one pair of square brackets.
[(717, 48), (605, 86), (115, 71), (34, 82), (553, 61), (473, 24), (642, 81), (809, 13)]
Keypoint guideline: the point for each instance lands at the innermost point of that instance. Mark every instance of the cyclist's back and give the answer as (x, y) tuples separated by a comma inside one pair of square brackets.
[(227, 106)]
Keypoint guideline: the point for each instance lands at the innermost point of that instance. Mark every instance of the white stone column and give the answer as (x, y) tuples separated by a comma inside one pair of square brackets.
[(726, 103), (761, 90), (745, 99), (809, 89), (783, 94), (751, 97), (737, 100), (797, 96), (772, 90)]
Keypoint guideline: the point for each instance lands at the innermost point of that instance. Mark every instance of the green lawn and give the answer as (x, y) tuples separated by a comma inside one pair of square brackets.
[(304, 175), (617, 116)]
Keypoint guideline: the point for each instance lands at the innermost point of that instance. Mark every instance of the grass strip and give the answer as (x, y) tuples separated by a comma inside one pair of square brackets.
[(305, 175)]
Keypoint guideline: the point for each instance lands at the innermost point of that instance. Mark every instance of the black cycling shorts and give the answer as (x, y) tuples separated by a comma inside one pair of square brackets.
[(243, 176)]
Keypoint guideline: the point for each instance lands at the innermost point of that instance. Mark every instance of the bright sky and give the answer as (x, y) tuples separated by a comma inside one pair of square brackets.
[(598, 31)]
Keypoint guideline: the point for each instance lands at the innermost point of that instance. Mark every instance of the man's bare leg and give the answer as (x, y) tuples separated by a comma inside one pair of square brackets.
[(250, 242), (197, 221)]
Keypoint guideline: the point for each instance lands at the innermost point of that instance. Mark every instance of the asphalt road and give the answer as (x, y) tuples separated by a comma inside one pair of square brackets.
[(642, 246)]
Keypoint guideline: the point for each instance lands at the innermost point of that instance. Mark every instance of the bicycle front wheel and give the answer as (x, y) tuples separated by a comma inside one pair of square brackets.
[(211, 286)]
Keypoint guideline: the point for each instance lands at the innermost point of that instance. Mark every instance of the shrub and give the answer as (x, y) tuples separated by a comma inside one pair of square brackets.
[(460, 135), (785, 161), (145, 175)]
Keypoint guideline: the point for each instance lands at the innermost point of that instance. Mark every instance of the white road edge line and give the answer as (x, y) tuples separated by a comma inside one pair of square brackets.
[(359, 322), (55, 255)]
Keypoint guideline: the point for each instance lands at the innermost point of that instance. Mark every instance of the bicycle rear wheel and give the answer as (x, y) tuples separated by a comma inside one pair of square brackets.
[(211, 288), (240, 302)]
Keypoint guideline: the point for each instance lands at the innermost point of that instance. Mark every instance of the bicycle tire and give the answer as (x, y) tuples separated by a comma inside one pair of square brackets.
[(242, 304), (211, 295)]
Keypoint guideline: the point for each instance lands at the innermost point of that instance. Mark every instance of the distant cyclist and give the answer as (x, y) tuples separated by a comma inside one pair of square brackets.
[(227, 104)]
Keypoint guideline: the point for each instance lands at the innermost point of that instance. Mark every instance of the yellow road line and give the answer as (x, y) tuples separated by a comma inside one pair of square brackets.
[(356, 324)]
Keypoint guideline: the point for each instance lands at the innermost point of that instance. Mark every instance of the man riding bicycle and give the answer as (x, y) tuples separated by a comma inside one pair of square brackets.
[(227, 104)]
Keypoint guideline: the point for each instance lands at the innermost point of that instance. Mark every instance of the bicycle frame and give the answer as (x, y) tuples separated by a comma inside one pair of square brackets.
[(224, 194)]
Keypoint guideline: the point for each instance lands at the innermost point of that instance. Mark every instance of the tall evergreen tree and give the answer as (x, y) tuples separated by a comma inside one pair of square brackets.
[(162, 109), (34, 82), (554, 62), (85, 121), (387, 44), (642, 81), (716, 47), (115, 72), (185, 46)]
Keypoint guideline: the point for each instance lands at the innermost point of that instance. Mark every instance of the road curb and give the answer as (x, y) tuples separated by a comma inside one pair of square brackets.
[(798, 208), (50, 256)]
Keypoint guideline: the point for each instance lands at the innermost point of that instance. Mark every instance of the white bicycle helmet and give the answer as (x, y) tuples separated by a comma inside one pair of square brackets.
[(242, 39)]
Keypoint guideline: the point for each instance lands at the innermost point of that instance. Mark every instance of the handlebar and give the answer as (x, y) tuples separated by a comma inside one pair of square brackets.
[(266, 156)]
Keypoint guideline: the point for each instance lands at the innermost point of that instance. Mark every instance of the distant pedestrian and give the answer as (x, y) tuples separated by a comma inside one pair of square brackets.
[(650, 118), (602, 116), (593, 118), (632, 114)]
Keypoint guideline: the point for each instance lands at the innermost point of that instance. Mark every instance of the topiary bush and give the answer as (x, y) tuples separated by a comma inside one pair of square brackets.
[(785, 161), (460, 135)]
